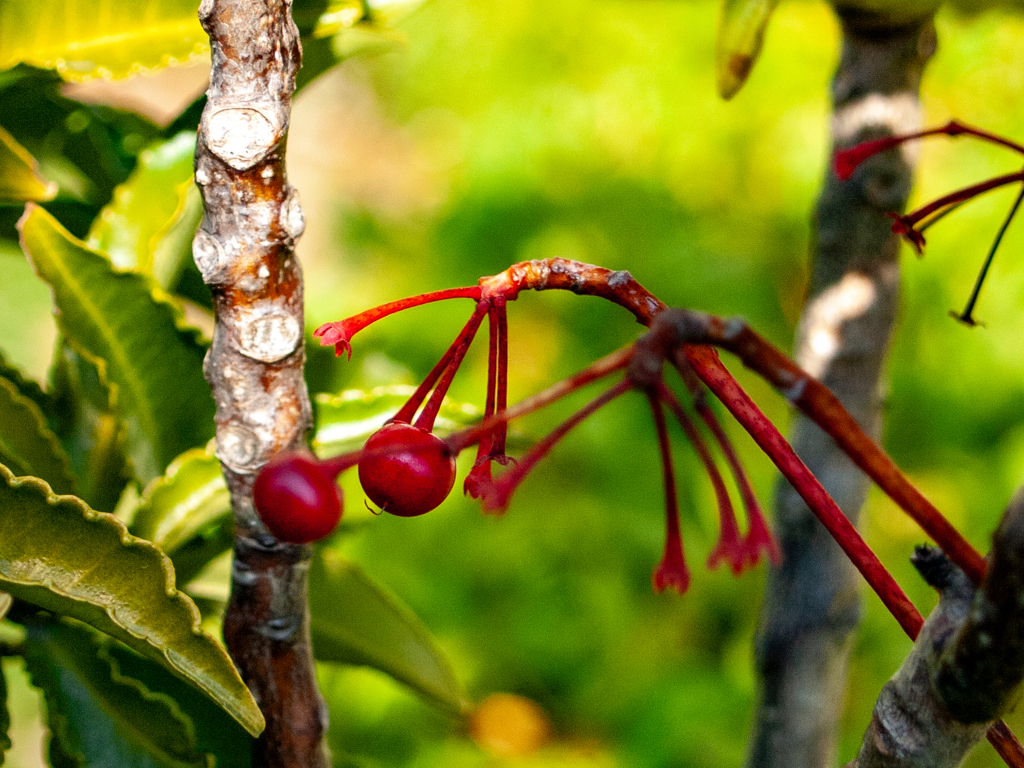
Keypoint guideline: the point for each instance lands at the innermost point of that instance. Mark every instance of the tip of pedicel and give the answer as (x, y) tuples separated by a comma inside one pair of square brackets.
[(669, 577)]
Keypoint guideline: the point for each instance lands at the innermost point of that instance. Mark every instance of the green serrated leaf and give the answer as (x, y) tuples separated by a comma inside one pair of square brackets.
[(344, 421), (57, 553), (143, 209), (26, 387), (20, 180), (101, 716), (5, 714), (216, 733), (155, 364), (187, 512), (90, 431), (354, 621), (27, 445), (107, 38), (740, 36)]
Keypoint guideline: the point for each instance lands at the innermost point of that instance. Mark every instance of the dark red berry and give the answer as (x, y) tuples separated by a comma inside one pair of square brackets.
[(296, 498), (410, 471)]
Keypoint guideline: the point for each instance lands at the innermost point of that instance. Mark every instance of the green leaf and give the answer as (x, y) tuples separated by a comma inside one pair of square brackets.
[(740, 36), (27, 445), (156, 365), (145, 209), (100, 716), (187, 511), (5, 714), (354, 621), (19, 173), (57, 553), (346, 420), (106, 38), (89, 429), (26, 387)]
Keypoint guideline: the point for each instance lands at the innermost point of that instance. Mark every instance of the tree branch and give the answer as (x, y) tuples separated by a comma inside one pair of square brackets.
[(967, 664), (245, 252), (811, 604)]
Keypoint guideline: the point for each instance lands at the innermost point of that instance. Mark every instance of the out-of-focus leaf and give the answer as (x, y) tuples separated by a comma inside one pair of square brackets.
[(145, 207), (378, 16), (215, 732), (333, 30), (19, 173), (155, 364), (346, 420), (26, 387), (185, 509), (5, 714), (27, 445), (354, 621), (740, 36), (101, 716), (57, 553), (107, 38), (89, 429)]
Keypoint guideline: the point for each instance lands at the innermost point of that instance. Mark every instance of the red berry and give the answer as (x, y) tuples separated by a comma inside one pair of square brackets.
[(411, 474), (296, 498)]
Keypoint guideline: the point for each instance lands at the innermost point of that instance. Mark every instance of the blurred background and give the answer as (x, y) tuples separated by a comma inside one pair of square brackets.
[(495, 132)]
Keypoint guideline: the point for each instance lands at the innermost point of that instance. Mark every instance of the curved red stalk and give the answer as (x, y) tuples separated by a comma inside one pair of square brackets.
[(672, 570), (340, 333), (845, 161), (728, 547)]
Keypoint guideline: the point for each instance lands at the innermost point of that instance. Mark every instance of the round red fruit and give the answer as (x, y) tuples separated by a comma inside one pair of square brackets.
[(296, 498), (410, 470)]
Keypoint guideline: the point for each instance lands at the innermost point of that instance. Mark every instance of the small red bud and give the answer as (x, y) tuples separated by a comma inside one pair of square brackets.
[(296, 498), (409, 471)]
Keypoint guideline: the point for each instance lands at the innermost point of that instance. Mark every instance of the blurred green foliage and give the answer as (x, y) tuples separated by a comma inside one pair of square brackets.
[(591, 129)]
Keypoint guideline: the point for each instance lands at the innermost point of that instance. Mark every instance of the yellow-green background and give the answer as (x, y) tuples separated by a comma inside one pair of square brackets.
[(503, 131)]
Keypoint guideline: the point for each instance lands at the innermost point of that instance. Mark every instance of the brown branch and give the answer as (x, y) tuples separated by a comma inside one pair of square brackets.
[(966, 667), (245, 252)]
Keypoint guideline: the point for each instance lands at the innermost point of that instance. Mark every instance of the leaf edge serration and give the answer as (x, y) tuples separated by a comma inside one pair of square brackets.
[(236, 699)]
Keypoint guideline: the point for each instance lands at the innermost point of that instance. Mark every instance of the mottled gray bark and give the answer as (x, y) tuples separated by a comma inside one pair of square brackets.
[(811, 603), (966, 667), (245, 252)]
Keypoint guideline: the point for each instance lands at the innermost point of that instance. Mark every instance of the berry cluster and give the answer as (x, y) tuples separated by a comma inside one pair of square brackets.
[(407, 470)]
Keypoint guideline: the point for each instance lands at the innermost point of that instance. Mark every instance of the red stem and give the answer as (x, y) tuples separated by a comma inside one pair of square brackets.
[(672, 570), (458, 353), (728, 546), (499, 496), (711, 371)]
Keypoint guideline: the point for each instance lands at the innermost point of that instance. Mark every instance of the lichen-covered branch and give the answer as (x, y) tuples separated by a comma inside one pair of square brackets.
[(245, 252), (811, 604), (966, 667)]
